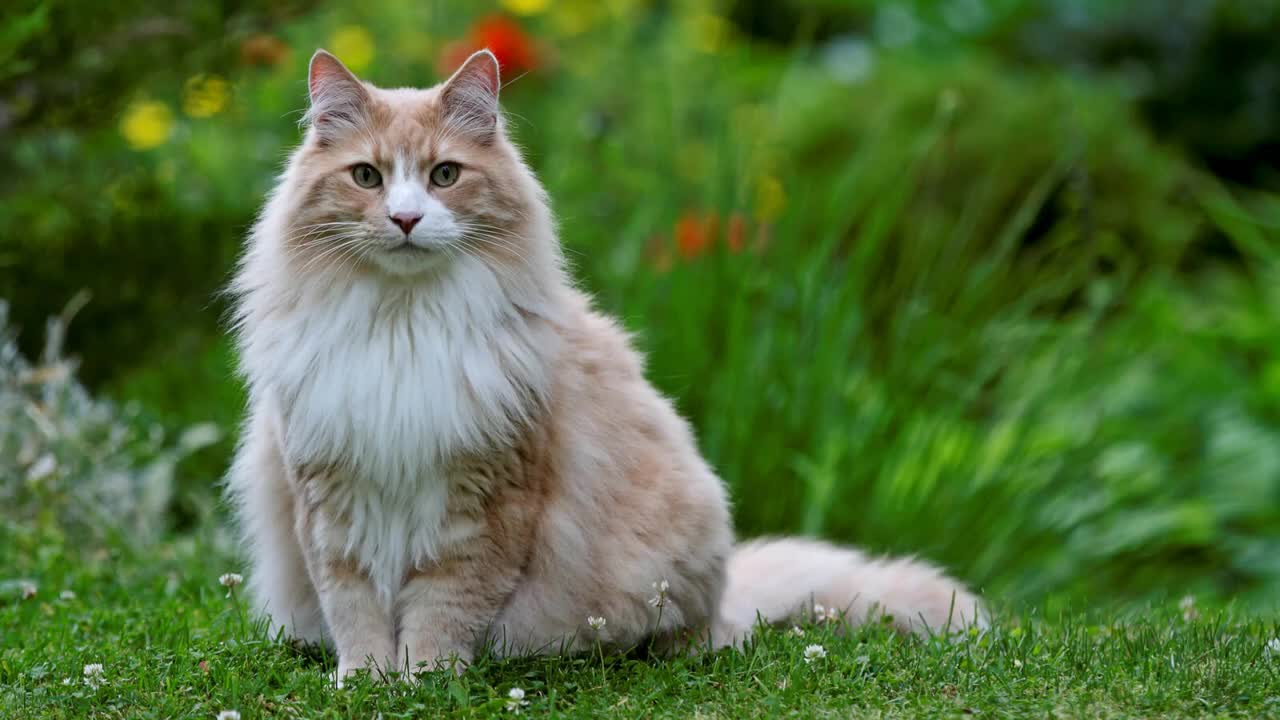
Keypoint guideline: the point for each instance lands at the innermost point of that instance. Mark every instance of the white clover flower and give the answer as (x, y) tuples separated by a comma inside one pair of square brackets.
[(66, 596), (94, 674), (230, 581), (796, 631), (28, 589), (596, 623), (229, 715), (1188, 606), (1273, 648), (66, 681), (1017, 663), (515, 699), (660, 598), (814, 653)]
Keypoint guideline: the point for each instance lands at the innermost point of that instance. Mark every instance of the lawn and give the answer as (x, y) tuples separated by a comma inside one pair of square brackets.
[(173, 645)]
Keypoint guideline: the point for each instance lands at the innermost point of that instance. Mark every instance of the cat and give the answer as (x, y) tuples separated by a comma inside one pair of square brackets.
[(448, 449)]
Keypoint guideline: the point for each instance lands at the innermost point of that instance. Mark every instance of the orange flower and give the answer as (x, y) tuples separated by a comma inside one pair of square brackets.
[(695, 233), (264, 50), (515, 49)]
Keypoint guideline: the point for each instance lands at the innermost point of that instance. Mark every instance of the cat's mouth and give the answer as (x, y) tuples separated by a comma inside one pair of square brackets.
[(408, 248), (408, 258)]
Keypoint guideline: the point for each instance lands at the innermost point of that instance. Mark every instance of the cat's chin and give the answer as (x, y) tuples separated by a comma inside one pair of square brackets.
[(408, 260)]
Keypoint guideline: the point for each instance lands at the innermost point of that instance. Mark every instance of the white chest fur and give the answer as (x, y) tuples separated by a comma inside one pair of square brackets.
[(386, 385)]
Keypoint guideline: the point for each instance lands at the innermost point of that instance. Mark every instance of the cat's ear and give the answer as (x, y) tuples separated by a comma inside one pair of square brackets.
[(339, 101), (470, 97)]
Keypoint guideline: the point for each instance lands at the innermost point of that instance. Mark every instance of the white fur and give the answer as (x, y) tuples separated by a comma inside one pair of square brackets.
[(782, 580), (385, 382), (436, 232)]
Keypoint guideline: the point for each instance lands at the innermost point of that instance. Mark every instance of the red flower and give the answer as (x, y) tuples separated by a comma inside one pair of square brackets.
[(516, 51), (695, 233)]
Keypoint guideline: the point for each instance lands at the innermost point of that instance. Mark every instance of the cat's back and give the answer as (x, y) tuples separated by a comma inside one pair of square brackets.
[(629, 472)]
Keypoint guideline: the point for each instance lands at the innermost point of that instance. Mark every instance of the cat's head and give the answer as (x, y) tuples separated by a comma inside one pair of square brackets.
[(405, 182)]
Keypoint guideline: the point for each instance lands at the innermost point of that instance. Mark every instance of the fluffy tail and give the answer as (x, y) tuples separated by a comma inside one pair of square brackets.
[(788, 580)]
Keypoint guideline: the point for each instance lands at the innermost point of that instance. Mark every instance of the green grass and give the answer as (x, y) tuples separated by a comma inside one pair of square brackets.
[(172, 645)]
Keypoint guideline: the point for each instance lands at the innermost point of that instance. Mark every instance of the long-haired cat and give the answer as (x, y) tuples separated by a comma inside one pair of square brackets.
[(448, 448)]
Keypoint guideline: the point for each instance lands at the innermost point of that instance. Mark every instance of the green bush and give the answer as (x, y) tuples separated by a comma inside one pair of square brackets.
[(76, 466)]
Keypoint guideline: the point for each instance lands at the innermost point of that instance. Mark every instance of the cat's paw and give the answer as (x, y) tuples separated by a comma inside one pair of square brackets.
[(347, 670), (421, 669), (338, 677)]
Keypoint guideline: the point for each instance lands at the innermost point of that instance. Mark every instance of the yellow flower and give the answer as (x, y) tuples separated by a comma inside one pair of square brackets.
[(353, 45), (708, 33), (770, 199), (205, 96), (146, 124), (526, 7), (574, 17)]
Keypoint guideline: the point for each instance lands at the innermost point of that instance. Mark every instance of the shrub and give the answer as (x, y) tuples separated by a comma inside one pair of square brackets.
[(76, 465)]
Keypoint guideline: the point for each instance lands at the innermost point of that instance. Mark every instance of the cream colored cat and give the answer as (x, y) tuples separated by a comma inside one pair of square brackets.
[(448, 448)]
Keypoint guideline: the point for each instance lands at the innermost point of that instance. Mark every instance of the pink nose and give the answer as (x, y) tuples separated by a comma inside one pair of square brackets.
[(406, 220)]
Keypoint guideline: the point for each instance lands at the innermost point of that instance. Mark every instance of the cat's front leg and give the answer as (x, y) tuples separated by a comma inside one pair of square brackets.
[(445, 610), (359, 621), (363, 630)]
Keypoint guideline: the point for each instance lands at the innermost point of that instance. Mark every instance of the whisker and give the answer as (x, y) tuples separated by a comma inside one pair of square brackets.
[(336, 250)]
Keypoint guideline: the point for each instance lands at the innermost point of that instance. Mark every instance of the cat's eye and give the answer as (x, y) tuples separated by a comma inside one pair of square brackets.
[(444, 174), (366, 175)]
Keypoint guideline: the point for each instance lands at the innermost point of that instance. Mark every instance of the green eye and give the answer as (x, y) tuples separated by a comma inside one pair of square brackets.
[(445, 174), (366, 176)]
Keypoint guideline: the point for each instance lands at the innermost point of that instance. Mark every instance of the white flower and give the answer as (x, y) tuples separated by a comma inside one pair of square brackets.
[(515, 699), (1273, 648), (813, 653), (1017, 663), (66, 681), (230, 581), (1188, 606), (660, 599), (795, 630), (66, 596), (229, 715), (596, 623), (820, 613), (28, 589), (93, 674)]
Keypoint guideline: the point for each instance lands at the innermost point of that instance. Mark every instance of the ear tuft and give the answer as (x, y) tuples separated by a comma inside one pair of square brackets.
[(339, 101), (470, 97)]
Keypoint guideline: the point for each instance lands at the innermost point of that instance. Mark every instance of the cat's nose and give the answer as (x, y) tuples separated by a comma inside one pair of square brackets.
[(406, 220)]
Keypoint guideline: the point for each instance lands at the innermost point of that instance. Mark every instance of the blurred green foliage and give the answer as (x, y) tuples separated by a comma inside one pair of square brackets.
[(147, 233), (921, 281)]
